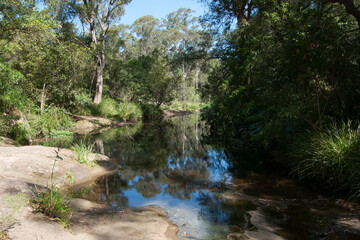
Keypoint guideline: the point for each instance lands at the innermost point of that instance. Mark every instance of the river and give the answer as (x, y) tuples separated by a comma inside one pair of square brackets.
[(206, 192)]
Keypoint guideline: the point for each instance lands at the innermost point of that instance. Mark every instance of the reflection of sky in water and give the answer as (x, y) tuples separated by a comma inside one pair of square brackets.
[(219, 166), (181, 183), (193, 219), (167, 165)]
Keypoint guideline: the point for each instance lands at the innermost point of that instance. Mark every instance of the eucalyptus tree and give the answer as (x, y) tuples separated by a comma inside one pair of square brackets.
[(145, 32), (99, 16), (188, 45)]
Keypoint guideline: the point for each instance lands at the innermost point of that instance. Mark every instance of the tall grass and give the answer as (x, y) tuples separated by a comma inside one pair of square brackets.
[(110, 108), (129, 111), (331, 157)]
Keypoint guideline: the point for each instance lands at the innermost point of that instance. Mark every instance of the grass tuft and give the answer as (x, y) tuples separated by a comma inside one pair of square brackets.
[(331, 156), (53, 204), (82, 151)]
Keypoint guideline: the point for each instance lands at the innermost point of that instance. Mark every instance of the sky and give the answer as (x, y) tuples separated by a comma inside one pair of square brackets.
[(158, 8)]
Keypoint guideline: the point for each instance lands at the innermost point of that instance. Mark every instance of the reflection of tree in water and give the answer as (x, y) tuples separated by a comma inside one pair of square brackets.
[(225, 212), (161, 157)]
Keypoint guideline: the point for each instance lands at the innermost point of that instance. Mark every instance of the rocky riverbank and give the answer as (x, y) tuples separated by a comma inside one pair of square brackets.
[(25, 169)]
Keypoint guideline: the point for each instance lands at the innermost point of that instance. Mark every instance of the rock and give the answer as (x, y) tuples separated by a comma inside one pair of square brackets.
[(6, 142), (29, 167), (84, 126), (81, 205)]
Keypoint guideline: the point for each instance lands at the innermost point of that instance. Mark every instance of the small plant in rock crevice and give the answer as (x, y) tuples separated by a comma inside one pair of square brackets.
[(70, 176), (52, 202)]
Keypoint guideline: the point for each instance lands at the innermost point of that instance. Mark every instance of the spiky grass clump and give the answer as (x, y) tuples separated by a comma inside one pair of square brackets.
[(53, 204), (330, 156), (83, 151), (129, 111)]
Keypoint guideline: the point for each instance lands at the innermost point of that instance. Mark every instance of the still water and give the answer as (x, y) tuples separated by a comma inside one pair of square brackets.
[(206, 191)]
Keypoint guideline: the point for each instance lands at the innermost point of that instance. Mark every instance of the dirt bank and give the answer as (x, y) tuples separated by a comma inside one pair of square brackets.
[(23, 169)]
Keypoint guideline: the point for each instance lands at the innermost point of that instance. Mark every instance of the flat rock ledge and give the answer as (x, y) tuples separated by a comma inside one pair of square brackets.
[(23, 169), (88, 124)]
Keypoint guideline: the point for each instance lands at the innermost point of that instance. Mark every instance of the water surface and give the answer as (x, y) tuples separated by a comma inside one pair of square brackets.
[(208, 192)]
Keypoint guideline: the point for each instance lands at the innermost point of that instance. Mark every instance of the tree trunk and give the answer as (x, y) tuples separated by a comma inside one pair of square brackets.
[(184, 75), (197, 71), (43, 98), (99, 84), (99, 78)]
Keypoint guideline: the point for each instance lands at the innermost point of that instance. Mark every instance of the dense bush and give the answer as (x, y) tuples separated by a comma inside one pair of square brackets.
[(81, 104), (22, 132), (52, 120), (11, 94), (110, 108)]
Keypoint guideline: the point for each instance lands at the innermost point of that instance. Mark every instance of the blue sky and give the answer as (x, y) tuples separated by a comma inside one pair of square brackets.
[(158, 8)]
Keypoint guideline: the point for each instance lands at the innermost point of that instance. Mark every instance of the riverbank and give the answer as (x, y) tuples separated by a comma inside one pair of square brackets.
[(88, 124), (26, 169)]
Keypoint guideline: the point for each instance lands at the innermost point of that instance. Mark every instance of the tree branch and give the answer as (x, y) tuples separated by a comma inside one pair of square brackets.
[(350, 8)]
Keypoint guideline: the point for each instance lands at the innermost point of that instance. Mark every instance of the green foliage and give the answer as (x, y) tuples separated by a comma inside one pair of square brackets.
[(70, 176), (124, 111), (150, 79), (53, 204), (3, 126), (129, 111), (81, 104), (151, 112), (11, 94), (83, 150), (289, 66), (108, 107), (330, 156), (22, 132), (54, 122)]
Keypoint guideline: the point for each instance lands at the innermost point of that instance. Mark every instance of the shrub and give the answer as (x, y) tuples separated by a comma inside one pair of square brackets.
[(22, 133), (129, 111), (151, 112), (54, 119), (330, 156), (125, 111), (82, 153), (82, 104), (184, 106), (11, 91)]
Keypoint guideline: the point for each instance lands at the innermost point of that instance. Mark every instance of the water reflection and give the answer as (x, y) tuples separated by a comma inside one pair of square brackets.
[(166, 164)]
